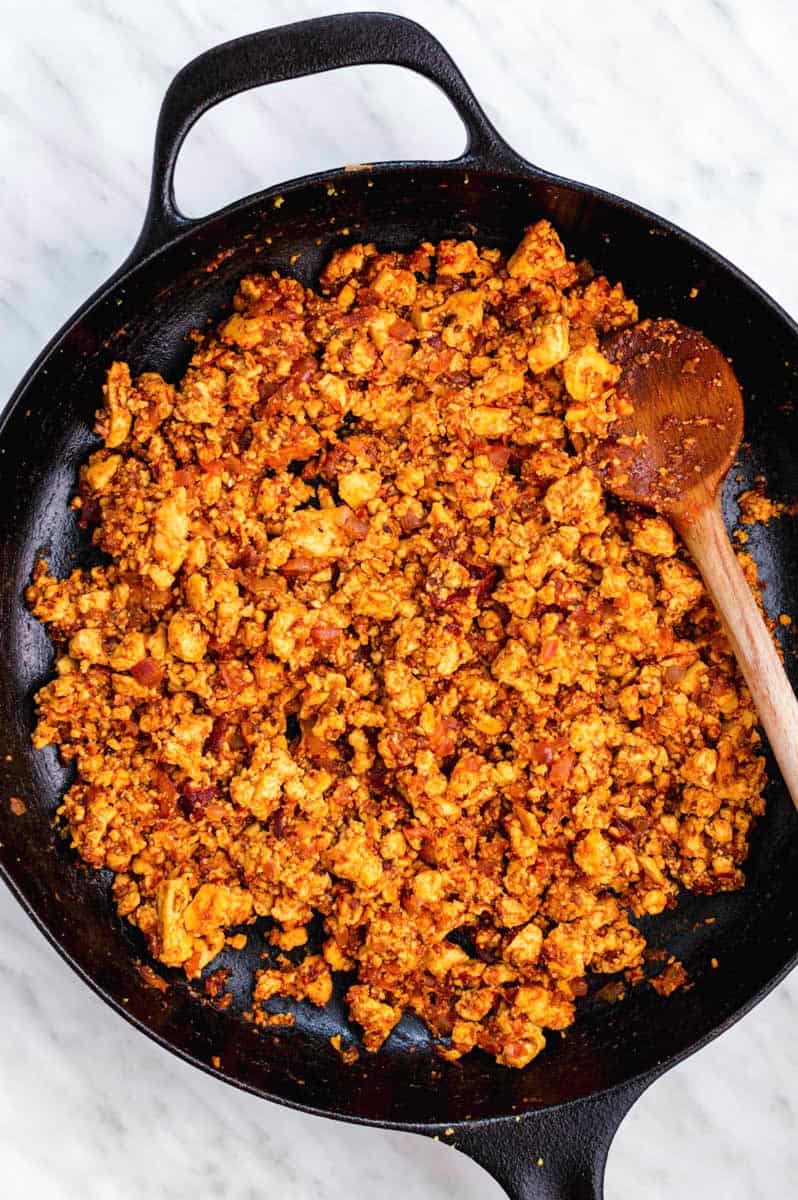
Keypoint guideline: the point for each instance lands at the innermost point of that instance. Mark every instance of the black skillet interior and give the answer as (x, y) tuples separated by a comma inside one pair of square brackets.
[(145, 316)]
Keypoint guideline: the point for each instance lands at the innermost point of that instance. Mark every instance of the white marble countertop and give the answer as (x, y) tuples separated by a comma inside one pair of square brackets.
[(688, 107)]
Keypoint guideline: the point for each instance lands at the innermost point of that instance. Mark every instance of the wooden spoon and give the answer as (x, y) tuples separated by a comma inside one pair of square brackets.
[(671, 453)]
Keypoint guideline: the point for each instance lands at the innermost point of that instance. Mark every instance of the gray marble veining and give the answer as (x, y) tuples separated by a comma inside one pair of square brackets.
[(688, 107)]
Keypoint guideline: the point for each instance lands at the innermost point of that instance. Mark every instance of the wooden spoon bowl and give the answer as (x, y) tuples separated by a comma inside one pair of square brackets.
[(671, 452)]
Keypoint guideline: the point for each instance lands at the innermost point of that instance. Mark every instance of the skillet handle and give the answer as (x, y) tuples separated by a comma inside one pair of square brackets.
[(290, 52), (555, 1154)]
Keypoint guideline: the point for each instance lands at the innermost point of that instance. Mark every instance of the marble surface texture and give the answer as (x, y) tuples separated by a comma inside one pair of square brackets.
[(688, 107)]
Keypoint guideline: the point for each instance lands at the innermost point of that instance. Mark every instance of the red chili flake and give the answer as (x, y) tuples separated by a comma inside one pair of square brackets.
[(322, 634), (487, 575), (147, 672), (456, 596), (304, 370), (561, 769), (282, 313), (193, 800), (487, 584), (580, 616), (443, 739), (543, 752), (635, 825), (549, 649), (247, 559), (627, 828), (401, 331), (377, 778), (498, 455), (216, 737), (299, 376), (266, 389)]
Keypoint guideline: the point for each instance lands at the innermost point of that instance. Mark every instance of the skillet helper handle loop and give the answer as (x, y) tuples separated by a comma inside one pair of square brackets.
[(290, 52), (707, 540), (555, 1154)]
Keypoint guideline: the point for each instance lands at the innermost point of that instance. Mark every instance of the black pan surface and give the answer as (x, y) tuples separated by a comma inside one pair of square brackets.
[(181, 276)]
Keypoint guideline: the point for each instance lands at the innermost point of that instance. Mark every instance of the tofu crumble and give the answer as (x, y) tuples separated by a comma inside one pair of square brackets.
[(371, 644)]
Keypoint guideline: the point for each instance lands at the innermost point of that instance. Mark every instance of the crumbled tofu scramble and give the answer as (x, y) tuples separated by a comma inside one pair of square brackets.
[(371, 643)]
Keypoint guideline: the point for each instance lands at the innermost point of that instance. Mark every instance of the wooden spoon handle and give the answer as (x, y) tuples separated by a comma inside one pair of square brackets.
[(705, 537)]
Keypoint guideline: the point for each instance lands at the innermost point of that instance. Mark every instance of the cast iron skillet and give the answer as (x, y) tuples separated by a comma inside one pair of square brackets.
[(543, 1131)]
